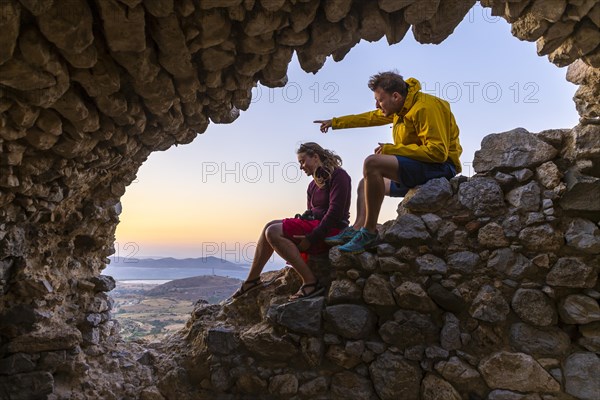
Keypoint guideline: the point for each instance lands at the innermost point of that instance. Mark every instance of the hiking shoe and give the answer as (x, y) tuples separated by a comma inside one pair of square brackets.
[(343, 237), (360, 242)]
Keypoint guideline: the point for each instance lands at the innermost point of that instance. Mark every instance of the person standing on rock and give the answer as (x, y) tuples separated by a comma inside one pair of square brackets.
[(328, 212), (426, 146)]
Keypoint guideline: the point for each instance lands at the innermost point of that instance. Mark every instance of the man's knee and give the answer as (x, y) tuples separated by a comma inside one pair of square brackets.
[(373, 163)]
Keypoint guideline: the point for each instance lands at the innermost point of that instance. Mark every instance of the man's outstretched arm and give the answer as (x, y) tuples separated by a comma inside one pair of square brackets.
[(371, 118)]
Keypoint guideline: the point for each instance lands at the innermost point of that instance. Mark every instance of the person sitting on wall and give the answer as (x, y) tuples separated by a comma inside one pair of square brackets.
[(328, 212), (426, 146)]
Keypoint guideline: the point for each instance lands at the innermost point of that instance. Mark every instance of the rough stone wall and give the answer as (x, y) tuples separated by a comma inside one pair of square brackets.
[(483, 288), (89, 89)]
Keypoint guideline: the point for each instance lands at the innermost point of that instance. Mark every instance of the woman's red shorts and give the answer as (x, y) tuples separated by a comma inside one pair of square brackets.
[(297, 226)]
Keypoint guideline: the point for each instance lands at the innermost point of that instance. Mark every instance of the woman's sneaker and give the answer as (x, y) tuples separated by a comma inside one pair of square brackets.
[(343, 237), (362, 241)]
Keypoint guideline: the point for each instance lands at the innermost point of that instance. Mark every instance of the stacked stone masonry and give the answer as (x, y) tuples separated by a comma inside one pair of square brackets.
[(88, 89), (482, 288)]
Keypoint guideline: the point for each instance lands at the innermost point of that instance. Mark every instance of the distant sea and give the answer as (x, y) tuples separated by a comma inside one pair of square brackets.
[(121, 273)]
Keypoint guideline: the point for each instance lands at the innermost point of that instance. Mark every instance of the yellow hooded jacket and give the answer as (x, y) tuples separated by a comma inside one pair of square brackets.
[(424, 130)]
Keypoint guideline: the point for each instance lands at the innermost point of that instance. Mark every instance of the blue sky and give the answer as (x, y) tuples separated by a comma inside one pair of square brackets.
[(214, 195)]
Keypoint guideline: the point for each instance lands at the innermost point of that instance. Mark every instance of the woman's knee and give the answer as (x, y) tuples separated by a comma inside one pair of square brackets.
[(268, 224), (274, 230)]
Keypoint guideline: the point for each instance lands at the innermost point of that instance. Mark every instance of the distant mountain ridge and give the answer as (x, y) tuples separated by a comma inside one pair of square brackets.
[(210, 287), (170, 262)]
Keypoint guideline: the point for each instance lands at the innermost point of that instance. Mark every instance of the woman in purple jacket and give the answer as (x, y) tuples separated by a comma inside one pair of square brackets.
[(327, 213)]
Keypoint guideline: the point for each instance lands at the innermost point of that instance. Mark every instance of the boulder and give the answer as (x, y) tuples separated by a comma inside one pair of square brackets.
[(516, 371), (512, 150)]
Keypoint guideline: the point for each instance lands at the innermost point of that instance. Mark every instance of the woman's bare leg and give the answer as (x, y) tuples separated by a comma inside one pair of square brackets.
[(263, 252), (289, 252)]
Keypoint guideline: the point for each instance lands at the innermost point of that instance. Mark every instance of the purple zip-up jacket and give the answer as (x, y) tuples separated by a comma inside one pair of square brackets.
[(331, 204)]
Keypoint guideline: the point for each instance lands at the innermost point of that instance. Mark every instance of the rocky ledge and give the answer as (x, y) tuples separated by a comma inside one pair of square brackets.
[(482, 288)]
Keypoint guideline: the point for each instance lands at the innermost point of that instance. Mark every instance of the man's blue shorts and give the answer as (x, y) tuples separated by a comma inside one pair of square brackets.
[(413, 173)]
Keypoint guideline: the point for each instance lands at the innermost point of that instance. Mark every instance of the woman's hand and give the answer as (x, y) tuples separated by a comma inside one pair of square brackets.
[(304, 243), (378, 149), (325, 124)]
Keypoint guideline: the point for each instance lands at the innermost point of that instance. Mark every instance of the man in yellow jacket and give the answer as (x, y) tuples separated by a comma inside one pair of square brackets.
[(425, 147)]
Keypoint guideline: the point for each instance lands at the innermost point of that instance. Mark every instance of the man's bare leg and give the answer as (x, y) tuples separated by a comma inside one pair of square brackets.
[(361, 209), (377, 167)]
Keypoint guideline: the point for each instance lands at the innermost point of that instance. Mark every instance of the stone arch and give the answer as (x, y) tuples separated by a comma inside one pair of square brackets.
[(89, 90)]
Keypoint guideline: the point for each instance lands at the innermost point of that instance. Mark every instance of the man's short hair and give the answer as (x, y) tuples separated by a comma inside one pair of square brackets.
[(390, 82)]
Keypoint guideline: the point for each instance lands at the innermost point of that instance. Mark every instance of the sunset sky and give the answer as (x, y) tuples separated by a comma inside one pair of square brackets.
[(213, 196)]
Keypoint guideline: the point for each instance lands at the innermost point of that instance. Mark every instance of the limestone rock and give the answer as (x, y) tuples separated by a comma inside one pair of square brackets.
[(59, 338), (572, 272), (516, 371), (580, 188), (411, 296), (346, 385), (16, 364), (434, 388), (580, 379), (313, 387), (534, 307), (591, 336), (10, 13), (222, 340), (338, 355), (312, 350), (492, 235), (549, 10), (408, 228), (302, 316), (70, 31), (489, 305), (344, 291), (548, 175), (349, 321), (443, 22), (483, 196), (463, 262), (395, 378), (392, 264), (540, 342), (579, 309), (512, 264), (430, 197), (103, 283), (514, 149), (583, 140), (409, 328), (335, 10), (283, 385), (541, 238), (499, 394), (584, 236), (450, 334), (378, 292), (458, 372), (446, 299), (27, 385), (525, 198), (430, 264), (262, 340), (124, 27)]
